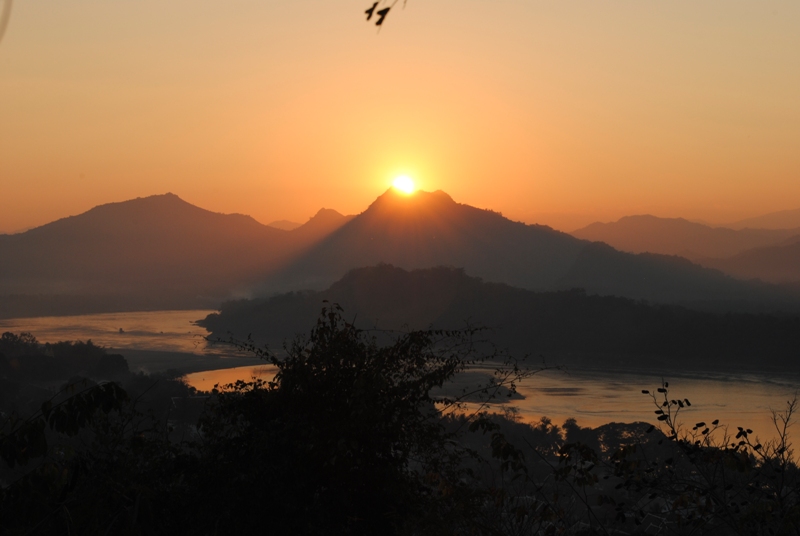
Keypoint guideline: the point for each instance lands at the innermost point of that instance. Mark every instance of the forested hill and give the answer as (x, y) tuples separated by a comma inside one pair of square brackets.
[(555, 324)]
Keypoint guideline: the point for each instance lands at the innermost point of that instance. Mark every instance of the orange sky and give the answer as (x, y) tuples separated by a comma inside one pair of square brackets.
[(559, 112)]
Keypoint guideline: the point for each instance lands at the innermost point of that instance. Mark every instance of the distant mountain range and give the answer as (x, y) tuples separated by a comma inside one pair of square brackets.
[(161, 252), (777, 264), (784, 219), (772, 255), (430, 229), (158, 252), (676, 236), (564, 327)]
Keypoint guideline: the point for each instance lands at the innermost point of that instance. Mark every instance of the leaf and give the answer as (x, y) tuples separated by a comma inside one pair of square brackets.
[(382, 14), (371, 10)]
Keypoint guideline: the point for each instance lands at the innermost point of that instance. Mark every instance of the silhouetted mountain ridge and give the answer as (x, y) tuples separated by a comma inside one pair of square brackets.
[(430, 229), (163, 253), (147, 253)]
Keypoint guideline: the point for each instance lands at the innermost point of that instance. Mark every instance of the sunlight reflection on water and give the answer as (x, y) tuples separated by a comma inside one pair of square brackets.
[(170, 331), (596, 398), (206, 380)]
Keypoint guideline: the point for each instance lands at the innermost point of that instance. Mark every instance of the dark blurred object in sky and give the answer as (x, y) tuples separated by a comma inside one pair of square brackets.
[(5, 15)]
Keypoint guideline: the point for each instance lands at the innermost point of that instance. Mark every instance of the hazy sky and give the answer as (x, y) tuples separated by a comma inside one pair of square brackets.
[(557, 111)]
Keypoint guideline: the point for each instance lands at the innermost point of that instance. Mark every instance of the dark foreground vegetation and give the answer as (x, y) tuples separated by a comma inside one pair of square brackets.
[(349, 438)]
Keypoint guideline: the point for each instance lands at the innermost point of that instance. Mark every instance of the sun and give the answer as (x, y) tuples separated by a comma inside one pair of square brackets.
[(404, 184)]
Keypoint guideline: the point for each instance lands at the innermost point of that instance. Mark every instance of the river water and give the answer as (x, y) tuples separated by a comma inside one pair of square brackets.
[(168, 331), (593, 396)]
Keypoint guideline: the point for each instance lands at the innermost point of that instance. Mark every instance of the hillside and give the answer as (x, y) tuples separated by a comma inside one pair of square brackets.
[(776, 264), (565, 325)]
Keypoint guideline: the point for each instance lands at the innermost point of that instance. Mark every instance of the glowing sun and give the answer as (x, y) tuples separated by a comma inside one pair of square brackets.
[(404, 184)]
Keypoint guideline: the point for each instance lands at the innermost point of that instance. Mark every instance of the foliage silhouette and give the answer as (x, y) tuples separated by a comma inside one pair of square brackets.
[(349, 437), (356, 430), (356, 437)]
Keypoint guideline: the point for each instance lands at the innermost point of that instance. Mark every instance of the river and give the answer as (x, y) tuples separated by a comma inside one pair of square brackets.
[(593, 396)]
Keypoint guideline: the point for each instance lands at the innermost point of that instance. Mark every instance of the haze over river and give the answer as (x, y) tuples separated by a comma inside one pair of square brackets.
[(592, 395)]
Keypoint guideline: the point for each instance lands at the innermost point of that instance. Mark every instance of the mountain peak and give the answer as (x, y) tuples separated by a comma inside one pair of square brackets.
[(395, 201), (417, 195), (326, 214), (157, 201), (324, 222)]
